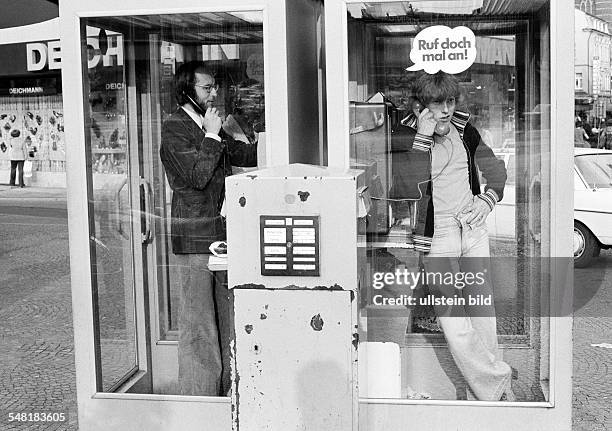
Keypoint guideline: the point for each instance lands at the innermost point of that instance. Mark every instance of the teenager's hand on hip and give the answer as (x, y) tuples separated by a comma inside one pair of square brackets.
[(475, 213), (212, 122), (427, 123)]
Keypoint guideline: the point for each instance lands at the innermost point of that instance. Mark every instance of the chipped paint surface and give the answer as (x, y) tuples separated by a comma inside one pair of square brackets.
[(355, 341), (334, 287), (302, 375), (288, 365), (317, 323), (242, 201), (303, 196)]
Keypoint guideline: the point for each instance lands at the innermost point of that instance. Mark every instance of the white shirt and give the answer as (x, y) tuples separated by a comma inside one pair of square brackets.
[(200, 122), (449, 171)]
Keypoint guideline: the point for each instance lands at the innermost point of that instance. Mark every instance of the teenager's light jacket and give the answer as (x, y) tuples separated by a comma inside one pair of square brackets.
[(411, 167)]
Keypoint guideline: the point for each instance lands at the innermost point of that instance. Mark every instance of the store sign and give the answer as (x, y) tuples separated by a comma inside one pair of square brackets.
[(26, 90), (48, 55), (42, 54), (441, 48)]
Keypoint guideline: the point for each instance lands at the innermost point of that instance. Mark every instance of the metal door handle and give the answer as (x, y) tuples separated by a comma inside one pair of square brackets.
[(118, 209), (148, 198)]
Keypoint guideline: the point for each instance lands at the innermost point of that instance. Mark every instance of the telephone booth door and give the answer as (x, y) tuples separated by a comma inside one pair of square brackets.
[(119, 60), (517, 92)]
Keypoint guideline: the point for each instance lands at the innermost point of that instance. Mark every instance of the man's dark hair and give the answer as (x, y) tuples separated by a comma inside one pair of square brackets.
[(185, 78), (436, 88)]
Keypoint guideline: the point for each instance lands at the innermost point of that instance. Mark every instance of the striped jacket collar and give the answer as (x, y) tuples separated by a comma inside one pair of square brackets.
[(459, 120)]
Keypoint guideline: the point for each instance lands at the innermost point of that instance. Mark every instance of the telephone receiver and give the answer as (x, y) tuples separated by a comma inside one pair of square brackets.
[(195, 104), (441, 129)]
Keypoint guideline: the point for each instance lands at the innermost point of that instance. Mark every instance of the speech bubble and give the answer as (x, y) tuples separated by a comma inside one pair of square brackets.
[(451, 50)]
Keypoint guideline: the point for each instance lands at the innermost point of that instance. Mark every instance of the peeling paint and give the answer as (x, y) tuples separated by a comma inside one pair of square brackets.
[(355, 341), (335, 287), (248, 328), (317, 322), (250, 286), (242, 201), (262, 316), (304, 196), (252, 176)]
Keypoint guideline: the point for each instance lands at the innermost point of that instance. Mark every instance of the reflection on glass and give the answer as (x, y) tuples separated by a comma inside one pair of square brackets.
[(507, 101), (111, 227)]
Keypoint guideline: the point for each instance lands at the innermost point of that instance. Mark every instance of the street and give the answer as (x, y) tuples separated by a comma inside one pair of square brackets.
[(36, 343)]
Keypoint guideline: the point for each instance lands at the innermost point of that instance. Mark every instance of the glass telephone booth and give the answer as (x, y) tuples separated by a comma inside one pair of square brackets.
[(119, 67), (515, 95)]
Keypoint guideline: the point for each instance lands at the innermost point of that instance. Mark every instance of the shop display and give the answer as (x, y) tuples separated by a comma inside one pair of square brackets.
[(39, 122), (108, 132)]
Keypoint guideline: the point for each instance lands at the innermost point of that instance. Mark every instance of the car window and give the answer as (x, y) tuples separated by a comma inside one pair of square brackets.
[(596, 169)]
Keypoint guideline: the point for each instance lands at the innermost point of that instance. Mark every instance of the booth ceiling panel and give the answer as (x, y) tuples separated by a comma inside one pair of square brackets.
[(199, 28), (444, 7)]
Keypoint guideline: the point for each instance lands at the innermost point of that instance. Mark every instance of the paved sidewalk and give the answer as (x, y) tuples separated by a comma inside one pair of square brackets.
[(36, 335), (39, 193), (37, 371)]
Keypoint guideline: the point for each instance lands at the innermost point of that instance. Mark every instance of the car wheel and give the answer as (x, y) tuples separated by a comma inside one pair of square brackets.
[(586, 247)]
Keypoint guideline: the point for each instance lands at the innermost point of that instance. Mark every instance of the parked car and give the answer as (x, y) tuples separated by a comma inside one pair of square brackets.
[(592, 204)]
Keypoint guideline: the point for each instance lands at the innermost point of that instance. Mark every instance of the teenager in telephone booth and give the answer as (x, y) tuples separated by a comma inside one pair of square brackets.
[(437, 154)]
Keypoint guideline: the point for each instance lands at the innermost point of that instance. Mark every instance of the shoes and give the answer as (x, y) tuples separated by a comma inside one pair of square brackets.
[(22, 186)]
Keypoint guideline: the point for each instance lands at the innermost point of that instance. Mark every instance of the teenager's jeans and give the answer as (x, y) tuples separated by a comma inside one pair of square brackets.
[(204, 328), (470, 331)]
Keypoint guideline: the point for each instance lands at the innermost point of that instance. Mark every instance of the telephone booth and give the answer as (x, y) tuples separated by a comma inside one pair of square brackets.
[(324, 84), (517, 95), (119, 60)]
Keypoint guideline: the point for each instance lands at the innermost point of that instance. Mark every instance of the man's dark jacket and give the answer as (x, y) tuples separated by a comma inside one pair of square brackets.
[(196, 167), (411, 167)]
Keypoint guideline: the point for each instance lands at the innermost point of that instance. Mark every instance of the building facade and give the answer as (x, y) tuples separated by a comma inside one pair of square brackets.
[(31, 107), (592, 63)]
